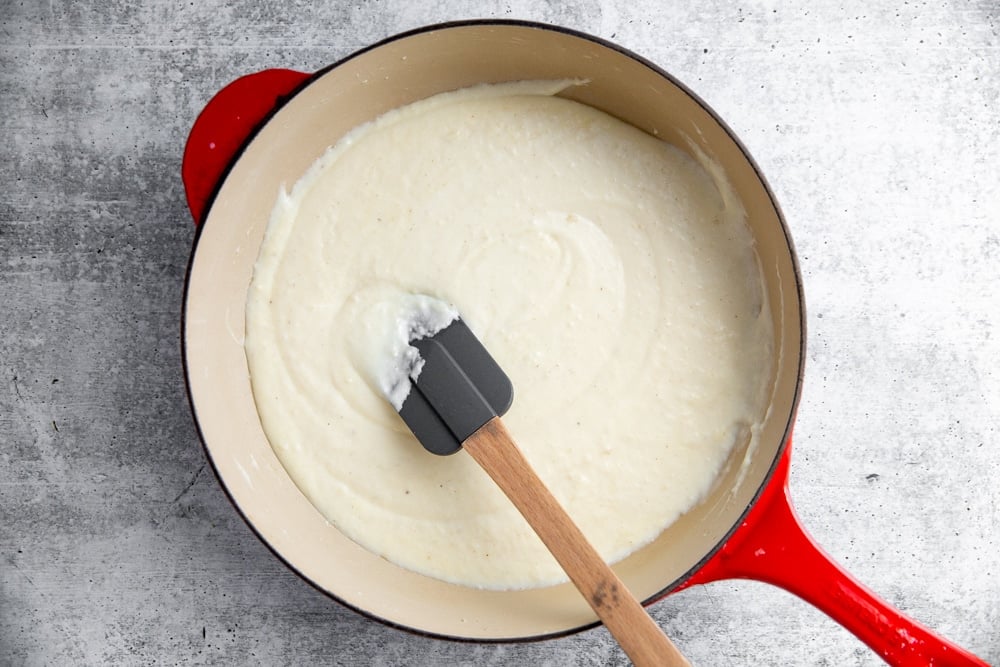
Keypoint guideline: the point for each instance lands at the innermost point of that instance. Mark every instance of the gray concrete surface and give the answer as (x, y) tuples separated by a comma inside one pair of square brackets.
[(878, 126)]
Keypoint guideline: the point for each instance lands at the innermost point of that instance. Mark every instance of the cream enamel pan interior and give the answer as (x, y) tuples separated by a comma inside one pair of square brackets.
[(393, 73)]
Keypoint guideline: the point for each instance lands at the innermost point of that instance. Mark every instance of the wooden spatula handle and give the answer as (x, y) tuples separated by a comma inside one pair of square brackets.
[(637, 633)]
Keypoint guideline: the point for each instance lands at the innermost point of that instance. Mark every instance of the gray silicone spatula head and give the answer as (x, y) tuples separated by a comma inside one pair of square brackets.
[(458, 389)]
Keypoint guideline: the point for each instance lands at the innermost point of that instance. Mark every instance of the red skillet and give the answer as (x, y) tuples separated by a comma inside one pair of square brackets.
[(769, 545)]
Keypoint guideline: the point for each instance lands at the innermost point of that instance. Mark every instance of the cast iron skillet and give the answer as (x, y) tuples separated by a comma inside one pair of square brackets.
[(265, 129)]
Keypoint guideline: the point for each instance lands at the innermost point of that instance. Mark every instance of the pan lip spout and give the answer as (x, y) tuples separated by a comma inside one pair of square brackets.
[(191, 375)]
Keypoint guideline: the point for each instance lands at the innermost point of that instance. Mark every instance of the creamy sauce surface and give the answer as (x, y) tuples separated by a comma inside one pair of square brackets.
[(608, 274)]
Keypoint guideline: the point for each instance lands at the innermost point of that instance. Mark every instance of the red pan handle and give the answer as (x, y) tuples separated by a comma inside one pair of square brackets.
[(772, 546), (225, 124)]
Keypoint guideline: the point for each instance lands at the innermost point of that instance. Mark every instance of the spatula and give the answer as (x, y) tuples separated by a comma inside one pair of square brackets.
[(456, 400)]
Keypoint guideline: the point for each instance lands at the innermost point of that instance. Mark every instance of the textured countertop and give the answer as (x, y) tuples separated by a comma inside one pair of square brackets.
[(879, 130)]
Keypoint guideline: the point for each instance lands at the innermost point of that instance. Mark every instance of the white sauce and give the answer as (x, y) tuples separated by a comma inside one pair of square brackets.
[(382, 336), (608, 274)]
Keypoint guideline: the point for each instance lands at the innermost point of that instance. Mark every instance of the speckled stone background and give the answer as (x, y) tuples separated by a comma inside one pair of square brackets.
[(879, 128)]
